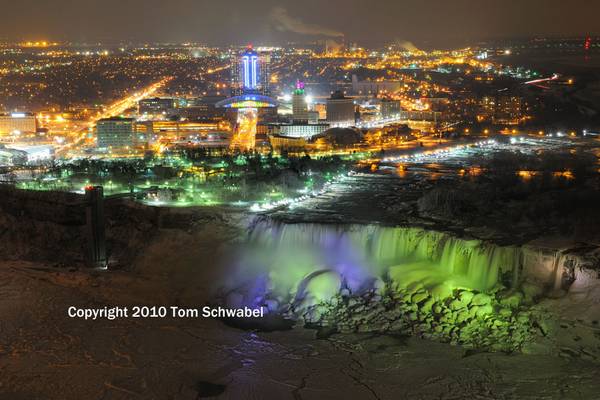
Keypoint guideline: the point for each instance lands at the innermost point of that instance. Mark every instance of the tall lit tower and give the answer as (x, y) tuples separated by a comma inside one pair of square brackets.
[(299, 105), (250, 73), (250, 91)]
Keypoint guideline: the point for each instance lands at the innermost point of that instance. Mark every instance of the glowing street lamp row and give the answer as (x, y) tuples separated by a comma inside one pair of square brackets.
[(293, 201), (438, 153)]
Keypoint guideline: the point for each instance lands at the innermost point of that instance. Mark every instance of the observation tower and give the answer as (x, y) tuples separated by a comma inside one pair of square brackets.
[(250, 91)]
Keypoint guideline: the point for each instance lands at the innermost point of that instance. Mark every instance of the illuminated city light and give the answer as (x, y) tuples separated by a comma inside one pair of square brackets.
[(440, 153), (270, 206)]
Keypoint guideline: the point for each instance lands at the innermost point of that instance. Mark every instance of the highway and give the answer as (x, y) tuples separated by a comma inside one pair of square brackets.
[(116, 108)]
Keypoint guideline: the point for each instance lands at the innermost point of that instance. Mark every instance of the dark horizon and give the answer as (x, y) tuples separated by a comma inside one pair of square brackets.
[(436, 23), (424, 45)]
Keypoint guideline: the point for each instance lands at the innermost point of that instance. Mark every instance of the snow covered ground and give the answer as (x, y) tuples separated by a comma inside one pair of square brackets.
[(45, 355)]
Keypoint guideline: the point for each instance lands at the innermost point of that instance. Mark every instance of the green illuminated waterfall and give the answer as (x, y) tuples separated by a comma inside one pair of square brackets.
[(372, 278), (359, 253)]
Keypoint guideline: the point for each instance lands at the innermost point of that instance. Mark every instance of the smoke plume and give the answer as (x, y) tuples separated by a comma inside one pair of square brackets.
[(408, 46), (283, 22)]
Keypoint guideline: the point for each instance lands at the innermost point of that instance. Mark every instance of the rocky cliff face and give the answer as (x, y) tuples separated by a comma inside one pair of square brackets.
[(41, 226), (51, 226)]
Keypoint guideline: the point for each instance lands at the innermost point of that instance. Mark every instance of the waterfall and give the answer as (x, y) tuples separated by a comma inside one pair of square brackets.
[(373, 278), (277, 256), (549, 264)]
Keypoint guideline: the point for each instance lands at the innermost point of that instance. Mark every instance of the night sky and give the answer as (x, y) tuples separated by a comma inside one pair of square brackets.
[(438, 23)]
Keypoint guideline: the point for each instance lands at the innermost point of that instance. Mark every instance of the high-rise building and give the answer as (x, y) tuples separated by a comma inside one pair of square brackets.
[(115, 133), (250, 90), (390, 108), (501, 109), (340, 110), (17, 123), (299, 105), (250, 73), (509, 110)]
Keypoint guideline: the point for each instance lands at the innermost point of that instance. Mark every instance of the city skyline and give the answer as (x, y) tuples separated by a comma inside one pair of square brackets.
[(432, 24), (298, 200)]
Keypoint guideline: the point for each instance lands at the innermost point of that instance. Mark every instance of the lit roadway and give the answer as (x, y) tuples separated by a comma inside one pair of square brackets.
[(116, 108), (119, 107), (379, 123)]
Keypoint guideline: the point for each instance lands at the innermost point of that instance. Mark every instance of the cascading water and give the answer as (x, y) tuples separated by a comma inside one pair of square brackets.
[(350, 278), (278, 256), (371, 278)]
